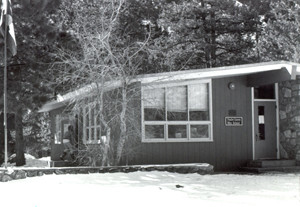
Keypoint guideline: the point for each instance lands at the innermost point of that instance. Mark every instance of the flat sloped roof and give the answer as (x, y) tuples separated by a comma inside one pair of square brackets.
[(220, 72), (291, 68)]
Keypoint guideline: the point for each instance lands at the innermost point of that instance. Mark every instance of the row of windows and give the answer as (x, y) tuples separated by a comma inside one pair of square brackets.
[(170, 113), (92, 129), (177, 112)]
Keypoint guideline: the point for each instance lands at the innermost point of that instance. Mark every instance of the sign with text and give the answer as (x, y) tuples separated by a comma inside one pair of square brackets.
[(233, 121)]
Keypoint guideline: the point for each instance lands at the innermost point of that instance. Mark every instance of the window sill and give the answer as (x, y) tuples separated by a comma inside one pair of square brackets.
[(92, 142), (176, 140)]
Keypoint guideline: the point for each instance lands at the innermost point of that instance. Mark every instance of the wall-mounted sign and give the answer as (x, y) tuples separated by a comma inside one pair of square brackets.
[(233, 121)]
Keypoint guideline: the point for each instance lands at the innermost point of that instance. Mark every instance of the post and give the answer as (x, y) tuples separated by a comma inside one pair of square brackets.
[(5, 88)]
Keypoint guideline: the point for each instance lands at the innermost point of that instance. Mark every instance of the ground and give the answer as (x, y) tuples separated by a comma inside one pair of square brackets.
[(154, 189)]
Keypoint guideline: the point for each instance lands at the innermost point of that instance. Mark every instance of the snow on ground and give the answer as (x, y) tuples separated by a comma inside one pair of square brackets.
[(31, 161), (153, 189)]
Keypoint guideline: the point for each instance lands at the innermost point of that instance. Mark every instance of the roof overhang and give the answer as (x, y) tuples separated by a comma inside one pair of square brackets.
[(279, 67), (274, 76), (53, 105), (257, 74)]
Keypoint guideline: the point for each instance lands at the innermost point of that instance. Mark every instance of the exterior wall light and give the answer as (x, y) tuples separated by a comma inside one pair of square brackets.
[(231, 86)]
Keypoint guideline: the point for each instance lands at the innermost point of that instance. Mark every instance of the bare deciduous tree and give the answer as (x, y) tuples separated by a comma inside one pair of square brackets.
[(103, 66)]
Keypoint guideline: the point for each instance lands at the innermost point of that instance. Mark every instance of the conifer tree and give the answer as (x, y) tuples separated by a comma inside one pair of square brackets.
[(28, 87)]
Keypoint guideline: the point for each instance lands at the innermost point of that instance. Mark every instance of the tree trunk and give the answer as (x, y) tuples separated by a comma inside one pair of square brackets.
[(213, 39), (207, 48), (20, 159), (105, 160), (123, 127)]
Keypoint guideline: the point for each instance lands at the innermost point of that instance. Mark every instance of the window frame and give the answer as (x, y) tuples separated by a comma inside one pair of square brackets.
[(188, 122), (62, 121), (93, 138)]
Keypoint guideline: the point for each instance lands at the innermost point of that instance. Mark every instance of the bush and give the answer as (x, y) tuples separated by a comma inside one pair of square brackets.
[(90, 155)]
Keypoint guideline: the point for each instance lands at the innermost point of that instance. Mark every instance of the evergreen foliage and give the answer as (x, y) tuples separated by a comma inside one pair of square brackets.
[(93, 41), (28, 82)]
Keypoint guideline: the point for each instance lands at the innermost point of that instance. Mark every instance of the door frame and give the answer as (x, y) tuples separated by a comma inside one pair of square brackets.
[(276, 100)]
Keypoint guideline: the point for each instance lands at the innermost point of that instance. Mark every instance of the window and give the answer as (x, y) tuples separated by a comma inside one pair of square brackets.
[(265, 92), (261, 123), (62, 121), (177, 112), (92, 133)]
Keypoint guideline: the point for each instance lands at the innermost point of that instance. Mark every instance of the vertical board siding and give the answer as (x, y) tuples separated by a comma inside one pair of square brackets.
[(231, 146), (232, 143)]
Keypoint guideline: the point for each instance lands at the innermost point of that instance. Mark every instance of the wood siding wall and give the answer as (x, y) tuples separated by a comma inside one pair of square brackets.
[(231, 146)]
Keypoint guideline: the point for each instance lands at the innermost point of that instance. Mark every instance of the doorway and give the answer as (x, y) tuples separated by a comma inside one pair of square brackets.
[(265, 121)]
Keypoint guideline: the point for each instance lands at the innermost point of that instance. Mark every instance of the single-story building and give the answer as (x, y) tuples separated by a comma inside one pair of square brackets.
[(223, 116)]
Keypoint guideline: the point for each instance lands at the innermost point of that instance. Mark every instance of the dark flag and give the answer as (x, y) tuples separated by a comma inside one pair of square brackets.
[(6, 13)]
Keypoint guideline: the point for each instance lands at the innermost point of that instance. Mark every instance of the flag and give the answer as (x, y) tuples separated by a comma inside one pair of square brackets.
[(10, 39)]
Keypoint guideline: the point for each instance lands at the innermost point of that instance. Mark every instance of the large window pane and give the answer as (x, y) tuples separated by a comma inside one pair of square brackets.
[(199, 131), (98, 135), (198, 102), (177, 112), (93, 134), (87, 134), (261, 123), (154, 131), (177, 103), (92, 116), (177, 131), (98, 121), (87, 117), (154, 104)]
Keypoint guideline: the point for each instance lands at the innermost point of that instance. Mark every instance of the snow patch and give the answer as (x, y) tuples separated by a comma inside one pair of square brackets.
[(158, 189)]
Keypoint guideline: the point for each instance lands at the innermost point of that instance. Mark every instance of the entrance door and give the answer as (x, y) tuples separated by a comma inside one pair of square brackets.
[(265, 130)]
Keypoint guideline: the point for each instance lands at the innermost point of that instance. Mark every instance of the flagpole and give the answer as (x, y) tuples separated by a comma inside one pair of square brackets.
[(5, 89)]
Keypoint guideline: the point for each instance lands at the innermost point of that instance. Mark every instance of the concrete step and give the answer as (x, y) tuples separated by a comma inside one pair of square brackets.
[(271, 169), (271, 163)]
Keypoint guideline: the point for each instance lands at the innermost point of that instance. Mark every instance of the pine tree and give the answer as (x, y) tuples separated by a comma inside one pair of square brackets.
[(28, 87), (280, 37), (205, 34)]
